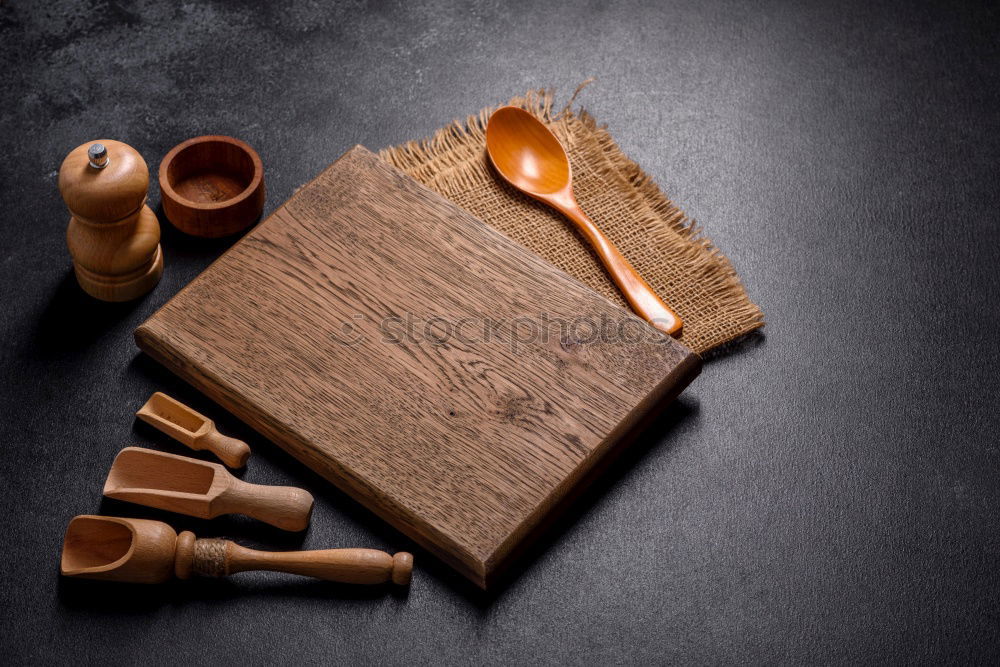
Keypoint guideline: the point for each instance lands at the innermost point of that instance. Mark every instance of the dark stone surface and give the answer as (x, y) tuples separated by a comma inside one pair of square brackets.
[(827, 493)]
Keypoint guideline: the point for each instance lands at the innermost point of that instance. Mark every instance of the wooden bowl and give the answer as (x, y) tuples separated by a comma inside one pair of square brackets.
[(212, 186)]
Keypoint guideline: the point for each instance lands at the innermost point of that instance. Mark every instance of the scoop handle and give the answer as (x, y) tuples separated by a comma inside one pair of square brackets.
[(231, 451), (349, 566), (640, 296), (218, 558), (285, 507)]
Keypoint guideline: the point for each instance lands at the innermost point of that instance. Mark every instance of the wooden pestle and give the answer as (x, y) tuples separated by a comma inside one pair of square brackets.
[(149, 552)]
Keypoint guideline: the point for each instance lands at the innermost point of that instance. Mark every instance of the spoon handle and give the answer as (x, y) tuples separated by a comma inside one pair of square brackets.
[(639, 295)]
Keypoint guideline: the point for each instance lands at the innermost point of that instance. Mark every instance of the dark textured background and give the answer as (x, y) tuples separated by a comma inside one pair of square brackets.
[(827, 493)]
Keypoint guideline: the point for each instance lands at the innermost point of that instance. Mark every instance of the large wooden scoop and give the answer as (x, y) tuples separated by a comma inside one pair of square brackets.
[(202, 489), (193, 429), (150, 552)]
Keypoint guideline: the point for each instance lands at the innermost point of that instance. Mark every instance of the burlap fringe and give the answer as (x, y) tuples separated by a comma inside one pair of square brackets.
[(711, 267), (451, 157)]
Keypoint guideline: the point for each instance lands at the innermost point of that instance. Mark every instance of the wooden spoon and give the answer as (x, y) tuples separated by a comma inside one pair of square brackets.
[(202, 489), (192, 429), (150, 552), (529, 157)]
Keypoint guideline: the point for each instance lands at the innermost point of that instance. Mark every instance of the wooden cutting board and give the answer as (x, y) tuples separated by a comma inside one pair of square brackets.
[(466, 429)]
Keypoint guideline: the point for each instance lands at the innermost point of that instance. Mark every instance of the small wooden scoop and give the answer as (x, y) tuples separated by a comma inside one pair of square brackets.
[(192, 429), (150, 552), (205, 490)]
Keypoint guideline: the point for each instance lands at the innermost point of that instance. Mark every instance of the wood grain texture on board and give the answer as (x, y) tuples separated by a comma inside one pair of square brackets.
[(464, 429)]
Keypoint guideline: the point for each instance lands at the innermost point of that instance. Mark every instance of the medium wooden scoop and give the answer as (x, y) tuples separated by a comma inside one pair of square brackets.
[(529, 157), (205, 490), (150, 552), (192, 429)]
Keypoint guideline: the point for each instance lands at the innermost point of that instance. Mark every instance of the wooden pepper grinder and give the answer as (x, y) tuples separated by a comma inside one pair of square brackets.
[(113, 236)]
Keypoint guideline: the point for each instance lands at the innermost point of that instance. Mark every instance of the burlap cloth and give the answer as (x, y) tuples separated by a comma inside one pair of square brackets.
[(659, 240)]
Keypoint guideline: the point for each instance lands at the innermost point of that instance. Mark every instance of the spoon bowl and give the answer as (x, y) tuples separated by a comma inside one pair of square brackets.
[(526, 153), (529, 157)]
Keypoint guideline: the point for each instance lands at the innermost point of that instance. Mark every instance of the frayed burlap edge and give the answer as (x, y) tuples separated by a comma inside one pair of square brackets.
[(447, 161)]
